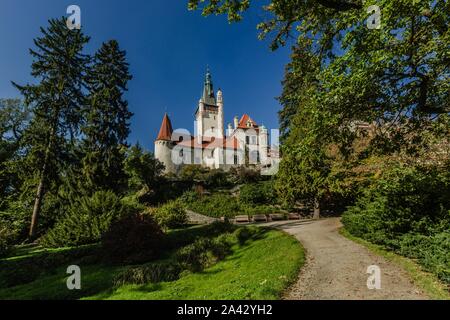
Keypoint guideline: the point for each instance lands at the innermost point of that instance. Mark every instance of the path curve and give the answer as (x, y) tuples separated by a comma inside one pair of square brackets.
[(336, 267)]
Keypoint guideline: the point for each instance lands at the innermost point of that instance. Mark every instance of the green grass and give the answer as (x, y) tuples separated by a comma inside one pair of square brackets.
[(261, 269), (428, 282)]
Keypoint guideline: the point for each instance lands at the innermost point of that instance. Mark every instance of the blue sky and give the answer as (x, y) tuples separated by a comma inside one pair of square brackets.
[(168, 48)]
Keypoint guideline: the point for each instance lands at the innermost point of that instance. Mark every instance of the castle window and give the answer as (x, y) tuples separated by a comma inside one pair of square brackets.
[(247, 140), (254, 140), (236, 159), (182, 153)]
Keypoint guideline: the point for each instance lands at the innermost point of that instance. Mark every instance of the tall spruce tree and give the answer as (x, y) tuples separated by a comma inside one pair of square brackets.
[(56, 101), (107, 120)]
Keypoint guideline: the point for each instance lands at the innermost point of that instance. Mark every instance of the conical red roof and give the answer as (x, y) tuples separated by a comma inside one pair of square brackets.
[(165, 133)]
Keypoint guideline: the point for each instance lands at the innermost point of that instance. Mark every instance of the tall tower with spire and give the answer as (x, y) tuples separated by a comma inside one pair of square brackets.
[(209, 115)]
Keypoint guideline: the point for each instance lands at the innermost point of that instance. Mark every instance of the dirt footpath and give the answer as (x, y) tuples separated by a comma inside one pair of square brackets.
[(336, 267)]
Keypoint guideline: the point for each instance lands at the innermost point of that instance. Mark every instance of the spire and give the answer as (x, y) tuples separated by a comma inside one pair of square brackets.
[(165, 133), (208, 89)]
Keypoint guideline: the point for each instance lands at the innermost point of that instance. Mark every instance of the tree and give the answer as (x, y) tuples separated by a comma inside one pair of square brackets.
[(13, 120), (56, 102), (397, 77), (106, 127), (143, 169)]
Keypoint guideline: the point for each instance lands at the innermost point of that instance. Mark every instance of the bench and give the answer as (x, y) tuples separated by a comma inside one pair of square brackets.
[(277, 216), (242, 219), (293, 216), (260, 218)]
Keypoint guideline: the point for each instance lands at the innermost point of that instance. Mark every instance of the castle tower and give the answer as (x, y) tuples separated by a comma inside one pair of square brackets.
[(164, 145), (220, 117), (263, 144), (209, 115)]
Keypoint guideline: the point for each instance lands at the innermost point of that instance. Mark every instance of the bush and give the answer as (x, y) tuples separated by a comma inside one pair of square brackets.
[(217, 205), (407, 210), (86, 220), (404, 200), (221, 246), (151, 273), (195, 257), (133, 239), (243, 235), (258, 193), (25, 270), (5, 241), (171, 215)]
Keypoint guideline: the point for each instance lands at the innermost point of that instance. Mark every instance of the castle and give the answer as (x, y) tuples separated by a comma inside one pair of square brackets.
[(245, 143)]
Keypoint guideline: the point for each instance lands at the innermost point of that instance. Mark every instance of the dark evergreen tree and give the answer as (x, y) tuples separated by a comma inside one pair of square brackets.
[(107, 120), (56, 101)]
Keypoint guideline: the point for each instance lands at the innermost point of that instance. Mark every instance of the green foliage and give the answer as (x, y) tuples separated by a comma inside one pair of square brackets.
[(258, 193), (243, 234), (407, 210), (133, 239), (149, 273), (209, 178), (106, 125), (216, 205), (142, 168), (19, 271), (204, 252), (171, 215), (225, 205), (86, 220), (55, 100), (5, 241)]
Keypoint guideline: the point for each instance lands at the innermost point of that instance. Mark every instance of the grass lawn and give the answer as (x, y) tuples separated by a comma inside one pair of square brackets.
[(260, 269), (426, 281)]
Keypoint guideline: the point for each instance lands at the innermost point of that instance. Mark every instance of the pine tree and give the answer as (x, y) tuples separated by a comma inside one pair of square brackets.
[(107, 120), (56, 101)]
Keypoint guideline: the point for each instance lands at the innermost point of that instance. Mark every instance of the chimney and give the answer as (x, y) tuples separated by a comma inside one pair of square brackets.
[(236, 122)]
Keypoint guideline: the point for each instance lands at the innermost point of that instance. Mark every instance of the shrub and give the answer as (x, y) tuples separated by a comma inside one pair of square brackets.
[(25, 270), (5, 241), (258, 193), (221, 246), (243, 235), (151, 273), (133, 239), (195, 257), (403, 200), (217, 205), (407, 210), (86, 220), (171, 215)]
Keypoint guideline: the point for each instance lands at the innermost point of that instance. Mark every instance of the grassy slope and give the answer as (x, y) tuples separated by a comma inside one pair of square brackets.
[(261, 269), (424, 280)]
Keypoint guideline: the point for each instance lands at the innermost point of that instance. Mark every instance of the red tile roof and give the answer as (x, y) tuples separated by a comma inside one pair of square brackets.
[(165, 133), (211, 143), (244, 120)]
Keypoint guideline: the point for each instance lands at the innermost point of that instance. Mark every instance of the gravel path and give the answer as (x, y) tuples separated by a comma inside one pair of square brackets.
[(336, 267)]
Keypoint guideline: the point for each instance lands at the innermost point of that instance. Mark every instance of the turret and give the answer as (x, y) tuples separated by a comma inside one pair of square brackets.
[(220, 117), (263, 143), (164, 144)]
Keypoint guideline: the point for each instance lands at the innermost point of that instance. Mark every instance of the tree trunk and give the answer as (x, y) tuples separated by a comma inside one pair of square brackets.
[(40, 192), (316, 209), (37, 208)]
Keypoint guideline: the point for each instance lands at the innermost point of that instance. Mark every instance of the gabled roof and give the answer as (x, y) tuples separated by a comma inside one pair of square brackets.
[(246, 119), (165, 133)]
